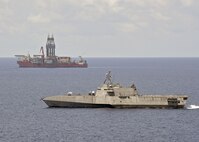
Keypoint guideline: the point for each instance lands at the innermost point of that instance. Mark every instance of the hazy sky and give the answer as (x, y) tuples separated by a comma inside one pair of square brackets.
[(101, 28)]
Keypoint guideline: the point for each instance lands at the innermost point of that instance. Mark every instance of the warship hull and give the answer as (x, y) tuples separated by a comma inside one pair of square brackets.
[(27, 64), (147, 101)]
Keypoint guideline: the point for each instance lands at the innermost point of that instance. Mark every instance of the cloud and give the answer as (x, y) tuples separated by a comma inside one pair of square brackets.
[(187, 3), (38, 19), (127, 27), (160, 16), (121, 15), (111, 23)]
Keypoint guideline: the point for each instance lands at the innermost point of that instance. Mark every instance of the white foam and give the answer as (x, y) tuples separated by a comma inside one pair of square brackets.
[(192, 107)]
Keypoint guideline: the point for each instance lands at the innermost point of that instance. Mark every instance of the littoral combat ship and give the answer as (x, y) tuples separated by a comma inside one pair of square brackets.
[(113, 95), (50, 60)]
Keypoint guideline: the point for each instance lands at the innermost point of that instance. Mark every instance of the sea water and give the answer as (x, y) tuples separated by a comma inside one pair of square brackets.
[(25, 118)]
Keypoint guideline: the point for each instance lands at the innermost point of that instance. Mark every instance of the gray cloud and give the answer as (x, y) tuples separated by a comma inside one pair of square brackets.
[(99, 27)]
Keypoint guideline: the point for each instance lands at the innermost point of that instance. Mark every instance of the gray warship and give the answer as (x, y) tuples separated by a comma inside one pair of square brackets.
[(113, 95)]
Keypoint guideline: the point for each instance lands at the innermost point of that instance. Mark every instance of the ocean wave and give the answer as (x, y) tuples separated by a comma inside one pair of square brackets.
[(192, 107)]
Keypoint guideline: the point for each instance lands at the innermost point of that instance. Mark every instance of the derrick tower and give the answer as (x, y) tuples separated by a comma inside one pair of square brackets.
[(50, 46)]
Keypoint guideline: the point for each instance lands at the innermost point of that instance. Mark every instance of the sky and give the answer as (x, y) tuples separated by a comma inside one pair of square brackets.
[(101, 28)]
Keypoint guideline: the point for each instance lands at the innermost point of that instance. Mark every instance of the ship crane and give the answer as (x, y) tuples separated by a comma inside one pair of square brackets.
[(42, 51)]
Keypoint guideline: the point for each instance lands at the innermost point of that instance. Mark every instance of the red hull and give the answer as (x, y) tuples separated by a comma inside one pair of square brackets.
[(27, 64)]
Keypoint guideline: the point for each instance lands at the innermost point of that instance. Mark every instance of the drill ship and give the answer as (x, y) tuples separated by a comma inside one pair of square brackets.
[(50, 60)]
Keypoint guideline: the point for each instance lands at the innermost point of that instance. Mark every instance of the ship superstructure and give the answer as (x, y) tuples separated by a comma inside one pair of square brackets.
[(50, 60)]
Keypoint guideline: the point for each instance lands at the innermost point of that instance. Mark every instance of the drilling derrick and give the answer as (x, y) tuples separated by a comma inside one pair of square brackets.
[(50, 47)]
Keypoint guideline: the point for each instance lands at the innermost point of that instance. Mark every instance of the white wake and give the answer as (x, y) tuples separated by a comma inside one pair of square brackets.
[(192, 107)]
